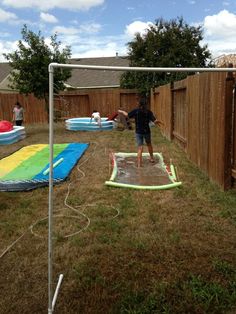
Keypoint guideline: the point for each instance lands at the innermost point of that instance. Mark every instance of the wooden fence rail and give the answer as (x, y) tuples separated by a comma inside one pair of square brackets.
[(197, 113)]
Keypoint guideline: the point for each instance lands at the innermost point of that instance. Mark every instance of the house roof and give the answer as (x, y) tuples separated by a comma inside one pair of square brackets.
[(4, 70), (225, 60), (81, 78)]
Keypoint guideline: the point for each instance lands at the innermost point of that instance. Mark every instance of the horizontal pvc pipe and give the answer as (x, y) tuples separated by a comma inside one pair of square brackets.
[(142, 69)]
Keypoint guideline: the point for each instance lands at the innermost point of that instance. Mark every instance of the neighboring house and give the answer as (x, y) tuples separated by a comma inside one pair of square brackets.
[(81, 78), (224, 60), (4, 78)]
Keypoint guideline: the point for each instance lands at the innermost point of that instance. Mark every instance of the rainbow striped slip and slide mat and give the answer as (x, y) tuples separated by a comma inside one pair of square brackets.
[(28, 168)]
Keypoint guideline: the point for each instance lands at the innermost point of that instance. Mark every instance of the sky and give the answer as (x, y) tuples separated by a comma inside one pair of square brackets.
[(102, 28)]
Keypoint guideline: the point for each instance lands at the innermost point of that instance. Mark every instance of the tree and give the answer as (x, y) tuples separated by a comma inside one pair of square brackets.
[(165, 44), (30, 64)]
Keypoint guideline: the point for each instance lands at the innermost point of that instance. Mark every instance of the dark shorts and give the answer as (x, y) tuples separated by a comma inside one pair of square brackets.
[(141, 137), (19, 122)]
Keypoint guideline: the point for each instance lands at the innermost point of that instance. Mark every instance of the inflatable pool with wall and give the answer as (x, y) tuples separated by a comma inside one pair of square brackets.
[(17, 134), (85, 124)]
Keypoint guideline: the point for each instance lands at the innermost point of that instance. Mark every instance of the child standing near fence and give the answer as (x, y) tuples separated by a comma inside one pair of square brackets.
[(18, 114)]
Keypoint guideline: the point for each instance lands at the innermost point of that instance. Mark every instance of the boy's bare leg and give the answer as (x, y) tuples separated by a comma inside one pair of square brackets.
[(140, 152), (150, 150)]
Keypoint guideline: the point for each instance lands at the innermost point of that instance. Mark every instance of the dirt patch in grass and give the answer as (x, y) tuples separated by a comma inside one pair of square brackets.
[(167, 251)]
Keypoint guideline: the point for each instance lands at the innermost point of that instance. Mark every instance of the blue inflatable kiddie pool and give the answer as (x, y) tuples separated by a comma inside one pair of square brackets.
[(13, 136), (85, 124)]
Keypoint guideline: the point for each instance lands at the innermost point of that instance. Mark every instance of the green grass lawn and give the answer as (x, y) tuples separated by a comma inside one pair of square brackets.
[(170, 251)]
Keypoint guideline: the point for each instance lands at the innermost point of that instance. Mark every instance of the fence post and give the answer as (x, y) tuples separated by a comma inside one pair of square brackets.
[(228, 112), (234, 138), (171, 111), (1, 108)]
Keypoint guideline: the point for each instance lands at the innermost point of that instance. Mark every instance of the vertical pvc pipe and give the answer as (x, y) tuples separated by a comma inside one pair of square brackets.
[(50, 197)]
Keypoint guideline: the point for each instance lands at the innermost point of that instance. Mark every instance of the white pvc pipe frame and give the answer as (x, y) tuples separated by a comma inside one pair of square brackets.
[(52, 300)]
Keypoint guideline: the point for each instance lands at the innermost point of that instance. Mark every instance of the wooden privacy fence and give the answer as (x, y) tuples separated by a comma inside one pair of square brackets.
[(83, 102), (35, 110), (69, 104), (198, 113)]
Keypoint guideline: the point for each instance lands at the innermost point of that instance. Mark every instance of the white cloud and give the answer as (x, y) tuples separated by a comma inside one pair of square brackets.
[(84, 44), (98, 48), (51, 4), (137, 27), (61, 30), (90, 28), (7, 16), (84, 29), (48, 18), (7, 47), (69, 36), (220, 25), (220, 30), (219, 48)]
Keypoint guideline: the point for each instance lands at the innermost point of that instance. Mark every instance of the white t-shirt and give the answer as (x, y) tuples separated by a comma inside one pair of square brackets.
[(18, 113), (96, 115)]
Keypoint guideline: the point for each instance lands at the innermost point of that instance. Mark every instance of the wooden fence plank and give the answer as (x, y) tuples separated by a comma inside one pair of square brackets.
[(193, 118), (161, 106), (228, 130), (203, 131), (179, 107), (234, 137)]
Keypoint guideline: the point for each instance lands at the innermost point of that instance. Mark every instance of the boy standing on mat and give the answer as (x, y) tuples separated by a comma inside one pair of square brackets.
[(143, 117)]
